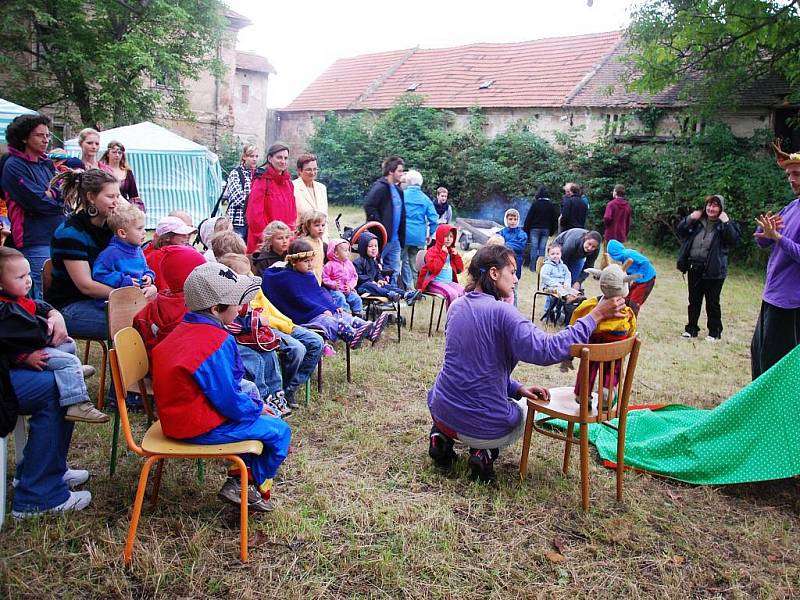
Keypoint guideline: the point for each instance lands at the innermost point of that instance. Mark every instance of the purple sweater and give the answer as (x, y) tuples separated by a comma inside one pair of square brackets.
[(782, 286), (484, 341)]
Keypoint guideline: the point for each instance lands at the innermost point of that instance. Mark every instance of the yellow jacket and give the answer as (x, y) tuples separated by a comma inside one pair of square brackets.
[(277, 320), (621, 327)]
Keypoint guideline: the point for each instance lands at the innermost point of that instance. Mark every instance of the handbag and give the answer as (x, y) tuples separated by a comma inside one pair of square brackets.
[(260, 337)]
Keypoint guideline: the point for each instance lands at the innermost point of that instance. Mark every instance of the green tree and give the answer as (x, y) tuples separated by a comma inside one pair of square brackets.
[(715, 48), (104, 56)]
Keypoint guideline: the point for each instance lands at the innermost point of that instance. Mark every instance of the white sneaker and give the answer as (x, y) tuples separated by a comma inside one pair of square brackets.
[(711, 338), (75, 477), (76, 501), (686, 334)]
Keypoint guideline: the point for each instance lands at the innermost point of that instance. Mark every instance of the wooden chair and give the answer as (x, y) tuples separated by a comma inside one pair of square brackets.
[(539, 291), (47, 282), (562, 406), (129, 366)]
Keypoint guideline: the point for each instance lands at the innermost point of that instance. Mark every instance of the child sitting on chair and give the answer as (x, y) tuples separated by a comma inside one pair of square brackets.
[(614, 284), (340, 278), (170, 231), (122, 263), (295, 292), (555, 277), (31, 324), (442, 265), (371, 278), (277, 237), (311, 228), (202, 397), (211, 227)]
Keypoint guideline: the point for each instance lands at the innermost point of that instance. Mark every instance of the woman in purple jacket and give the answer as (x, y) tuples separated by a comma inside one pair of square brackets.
[(474, 397)]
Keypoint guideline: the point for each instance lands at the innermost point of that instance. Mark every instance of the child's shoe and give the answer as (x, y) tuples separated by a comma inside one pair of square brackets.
[(440, 449), (378, 327), (271, 407), (481, 466), (76, 501), (412, 297), (393, 297), (75, 477), (232, 492), (280, 401), (88, 371), (290, 401), (360, 334), (85, 412), (565, 365), (328, 350), (345, 332)]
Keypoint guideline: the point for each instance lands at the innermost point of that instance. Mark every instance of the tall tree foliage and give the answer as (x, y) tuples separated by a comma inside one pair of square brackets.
[(106, 56), (714, 48)]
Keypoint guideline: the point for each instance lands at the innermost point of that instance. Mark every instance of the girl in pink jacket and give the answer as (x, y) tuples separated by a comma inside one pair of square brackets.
[(339, 277)]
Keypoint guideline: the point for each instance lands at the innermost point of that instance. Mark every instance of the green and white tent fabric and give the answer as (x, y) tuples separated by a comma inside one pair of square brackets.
[(172, 172), (8, 111)]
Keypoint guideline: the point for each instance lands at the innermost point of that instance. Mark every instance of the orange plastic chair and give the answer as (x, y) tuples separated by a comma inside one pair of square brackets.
[(562, 406), (129, 366)]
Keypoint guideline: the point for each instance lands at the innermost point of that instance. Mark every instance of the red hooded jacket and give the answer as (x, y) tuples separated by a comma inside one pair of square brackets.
[(436, 257), (271, 199)]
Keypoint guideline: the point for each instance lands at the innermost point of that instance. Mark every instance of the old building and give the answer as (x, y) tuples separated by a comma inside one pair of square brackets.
[(250, 98)]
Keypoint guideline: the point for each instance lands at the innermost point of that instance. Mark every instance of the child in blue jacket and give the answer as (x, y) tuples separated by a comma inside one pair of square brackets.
[(640, 288), (516, 239)]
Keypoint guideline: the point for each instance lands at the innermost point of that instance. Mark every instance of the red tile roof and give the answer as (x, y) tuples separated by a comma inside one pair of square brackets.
[(538, 73), (253, 62)]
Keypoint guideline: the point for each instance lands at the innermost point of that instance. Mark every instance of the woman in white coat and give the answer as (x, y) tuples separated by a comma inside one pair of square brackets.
[(310, 194)]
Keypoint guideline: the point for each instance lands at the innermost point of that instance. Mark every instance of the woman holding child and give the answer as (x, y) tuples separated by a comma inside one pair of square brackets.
[(474, 397)]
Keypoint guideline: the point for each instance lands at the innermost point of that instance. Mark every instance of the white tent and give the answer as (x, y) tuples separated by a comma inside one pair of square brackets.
[(172, 173), (8, 111)]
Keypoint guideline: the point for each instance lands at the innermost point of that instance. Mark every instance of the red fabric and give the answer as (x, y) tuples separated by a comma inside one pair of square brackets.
[(27, 304), (436, 257), (271, 199), (184, 410), (617, 219), (639, 293), (154, 258), (176, 265), (164, 313)]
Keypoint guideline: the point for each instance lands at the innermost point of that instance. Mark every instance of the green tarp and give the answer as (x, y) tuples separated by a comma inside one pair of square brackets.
[(752, 436)]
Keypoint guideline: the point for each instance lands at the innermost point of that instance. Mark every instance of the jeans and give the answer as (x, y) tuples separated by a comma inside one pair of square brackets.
[(575, 267), (241, 230), (263, 369), (391, 259), (85, 319), (373, 289), (410, 273), (66, 368), (36, 255), (301, 352), (330, 324), (44, 460), (538, 238), (350, 301)]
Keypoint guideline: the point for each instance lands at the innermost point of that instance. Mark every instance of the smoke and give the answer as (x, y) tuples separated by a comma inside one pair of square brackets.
[(495, 207)]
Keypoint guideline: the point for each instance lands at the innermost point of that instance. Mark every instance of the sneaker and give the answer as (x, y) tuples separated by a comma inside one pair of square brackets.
[(345, 332), (75, 477), (76, 501), (393, 297), (360, 334), (328, 350), (412, 297), (440, 449), (88, 371), (280, 401), (686, 334), (85, 412), (377, 328), (711, 338), (232, 492), (481, 466), (290, 401)]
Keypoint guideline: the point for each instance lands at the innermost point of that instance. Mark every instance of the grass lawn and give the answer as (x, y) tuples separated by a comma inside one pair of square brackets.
[(361, 512)]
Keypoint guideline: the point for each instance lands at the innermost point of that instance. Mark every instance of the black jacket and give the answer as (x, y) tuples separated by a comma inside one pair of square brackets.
[(541, 215), (368, 269), (378, 207), (573, 213), (726, 235)]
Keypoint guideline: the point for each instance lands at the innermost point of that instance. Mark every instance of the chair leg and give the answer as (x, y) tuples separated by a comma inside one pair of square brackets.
[(319, 375), (533, 310), (411, 322), (3, 480), (308, 392), (101, 391), (526, 443), (242, 506), (568, 446), (347, 360), (430, 323), (112, 467), (439, 320), (157, 483), (127, 553), (86, 346), (397, 306), (620, 461), (585, 466), (201, 470)]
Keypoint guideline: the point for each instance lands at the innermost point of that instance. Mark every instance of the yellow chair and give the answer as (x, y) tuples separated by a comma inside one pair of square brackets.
[(562, 406), (129, 366)]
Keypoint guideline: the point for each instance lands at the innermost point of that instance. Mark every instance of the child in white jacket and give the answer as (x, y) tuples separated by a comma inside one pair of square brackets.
[(555, 277)]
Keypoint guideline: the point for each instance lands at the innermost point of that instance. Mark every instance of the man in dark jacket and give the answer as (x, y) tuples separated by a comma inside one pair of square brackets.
[(707, 235), (384, 203), (573, 210)]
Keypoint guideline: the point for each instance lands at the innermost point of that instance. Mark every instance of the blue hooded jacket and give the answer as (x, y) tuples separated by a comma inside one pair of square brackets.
[(421, 217), (640, 264)]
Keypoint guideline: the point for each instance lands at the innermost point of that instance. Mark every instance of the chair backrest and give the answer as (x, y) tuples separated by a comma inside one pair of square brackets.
[(123, 304), (47, 277), (616, 364), (129, 365), (539, 263)]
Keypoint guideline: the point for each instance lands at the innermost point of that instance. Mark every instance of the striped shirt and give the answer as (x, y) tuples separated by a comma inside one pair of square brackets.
[(237, 195), (75, 239)]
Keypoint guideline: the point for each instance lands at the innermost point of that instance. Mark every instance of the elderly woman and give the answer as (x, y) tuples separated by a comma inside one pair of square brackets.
[(35, 208), (114, 157), (474, 397), (421, 222), (239, 181), (271, 197), (310, 194), (579, 250), (91, 196)]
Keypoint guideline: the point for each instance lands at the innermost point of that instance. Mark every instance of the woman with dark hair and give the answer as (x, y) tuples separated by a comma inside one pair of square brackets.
[(35, 208), (579, 249), (239, 182), (540, 223), (114, 157), (271, 197), (474, 398)]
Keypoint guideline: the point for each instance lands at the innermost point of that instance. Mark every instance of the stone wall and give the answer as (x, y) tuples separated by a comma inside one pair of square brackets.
[(250, 107)]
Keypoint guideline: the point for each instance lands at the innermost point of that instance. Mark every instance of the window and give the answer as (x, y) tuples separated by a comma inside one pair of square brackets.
[(485, 85), (245, 95), (412, 87)]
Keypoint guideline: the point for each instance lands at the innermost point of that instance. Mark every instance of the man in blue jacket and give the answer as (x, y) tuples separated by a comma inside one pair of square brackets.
[(421, 222), (384, 203)]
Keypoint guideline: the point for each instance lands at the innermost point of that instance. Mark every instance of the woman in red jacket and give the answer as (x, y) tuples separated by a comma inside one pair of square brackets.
[(442, 265), (271, 197)]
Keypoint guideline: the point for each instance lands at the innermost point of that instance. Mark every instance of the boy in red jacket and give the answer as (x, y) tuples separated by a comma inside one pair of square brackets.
[(197, 378), (442, 265)]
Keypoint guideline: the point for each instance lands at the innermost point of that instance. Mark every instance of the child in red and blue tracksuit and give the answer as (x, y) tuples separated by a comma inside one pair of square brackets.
[(202, 396)]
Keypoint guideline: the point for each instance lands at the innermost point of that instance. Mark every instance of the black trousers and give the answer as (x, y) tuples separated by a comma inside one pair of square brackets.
[(708, 289), (777, 333)]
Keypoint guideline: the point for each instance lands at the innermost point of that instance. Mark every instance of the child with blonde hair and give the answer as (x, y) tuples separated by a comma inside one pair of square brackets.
[(208, 229), (227, 242), (277, 237), (312, 230)]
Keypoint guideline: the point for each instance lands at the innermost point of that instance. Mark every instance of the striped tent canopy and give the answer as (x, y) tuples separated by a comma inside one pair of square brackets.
[(172, 172), (9, 110)]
